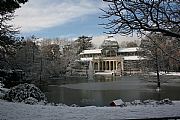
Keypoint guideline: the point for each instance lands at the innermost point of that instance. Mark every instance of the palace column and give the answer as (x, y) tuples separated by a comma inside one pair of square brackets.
[(109, 65), (116, 65), (113, 65), (102, 65), (98, 65), (105, 65), (122, 67)]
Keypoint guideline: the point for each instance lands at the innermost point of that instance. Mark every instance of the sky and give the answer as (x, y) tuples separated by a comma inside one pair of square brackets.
[(61, 18)]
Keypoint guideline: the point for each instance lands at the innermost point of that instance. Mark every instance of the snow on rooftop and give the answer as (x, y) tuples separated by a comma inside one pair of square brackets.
[(132, 49), (93, 51), (133, 58), (86, 59), (120, 50)]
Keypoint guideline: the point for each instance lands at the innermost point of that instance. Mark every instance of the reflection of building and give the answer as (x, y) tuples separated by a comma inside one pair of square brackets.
[(112, 59)]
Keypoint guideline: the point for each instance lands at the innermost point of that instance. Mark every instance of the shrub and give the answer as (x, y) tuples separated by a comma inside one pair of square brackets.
[(23, 92)]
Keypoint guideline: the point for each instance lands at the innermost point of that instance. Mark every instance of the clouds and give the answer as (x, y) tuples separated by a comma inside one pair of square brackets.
[(63, 18), (37, 15)]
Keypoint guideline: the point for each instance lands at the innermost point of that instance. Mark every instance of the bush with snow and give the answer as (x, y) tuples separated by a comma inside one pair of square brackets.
[(27, 93), (120, 103), (1, 95), (136, 102), (149, 102), (74, 105), (31, 101), (165, 101)]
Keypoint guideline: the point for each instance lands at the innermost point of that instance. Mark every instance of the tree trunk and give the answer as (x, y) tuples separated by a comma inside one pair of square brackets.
[(157, 71)]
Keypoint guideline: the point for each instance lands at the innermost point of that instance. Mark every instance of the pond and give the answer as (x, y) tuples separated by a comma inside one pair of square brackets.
[(101, 90)]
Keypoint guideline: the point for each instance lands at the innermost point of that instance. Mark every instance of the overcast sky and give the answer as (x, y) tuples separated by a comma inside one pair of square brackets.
[(61, 18)]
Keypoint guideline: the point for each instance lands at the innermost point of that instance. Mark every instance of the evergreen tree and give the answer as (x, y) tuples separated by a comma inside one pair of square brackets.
[(7, 31)]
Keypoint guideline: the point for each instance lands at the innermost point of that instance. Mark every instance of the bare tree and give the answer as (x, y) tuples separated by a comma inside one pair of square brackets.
[(168, 49), (163, 53), (128, 16), (152, 51)]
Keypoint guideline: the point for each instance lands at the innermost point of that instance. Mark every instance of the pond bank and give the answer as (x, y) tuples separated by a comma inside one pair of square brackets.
[(19, 111)]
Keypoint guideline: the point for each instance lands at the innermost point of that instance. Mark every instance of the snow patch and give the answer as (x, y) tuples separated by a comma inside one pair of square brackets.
[(133, 58), (19, 111), (167, 73)]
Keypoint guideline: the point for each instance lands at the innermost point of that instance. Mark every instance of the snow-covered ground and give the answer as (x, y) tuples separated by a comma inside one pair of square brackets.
[(168, 73), (150, 73), (19, 111)]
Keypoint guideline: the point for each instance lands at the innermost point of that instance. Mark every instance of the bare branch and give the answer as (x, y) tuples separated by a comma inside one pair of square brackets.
[(126, 17)]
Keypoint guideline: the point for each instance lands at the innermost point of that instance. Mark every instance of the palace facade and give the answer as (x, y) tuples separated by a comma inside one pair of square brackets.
[(112, 59)]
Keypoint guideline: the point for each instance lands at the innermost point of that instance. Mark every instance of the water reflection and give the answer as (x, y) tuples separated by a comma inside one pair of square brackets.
[(103, 89), (90, 71)]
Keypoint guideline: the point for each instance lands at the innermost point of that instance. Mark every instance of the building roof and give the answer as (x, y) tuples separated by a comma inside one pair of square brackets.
[(120, 50), (109, 43), (94, 51), (132, 49), (125, 58)]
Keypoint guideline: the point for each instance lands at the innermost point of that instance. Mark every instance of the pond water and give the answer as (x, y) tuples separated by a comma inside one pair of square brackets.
[(101, 90)]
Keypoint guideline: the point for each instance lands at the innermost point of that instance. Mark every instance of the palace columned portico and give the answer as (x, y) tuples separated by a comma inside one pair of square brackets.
[(109, 64), (112, 59)]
